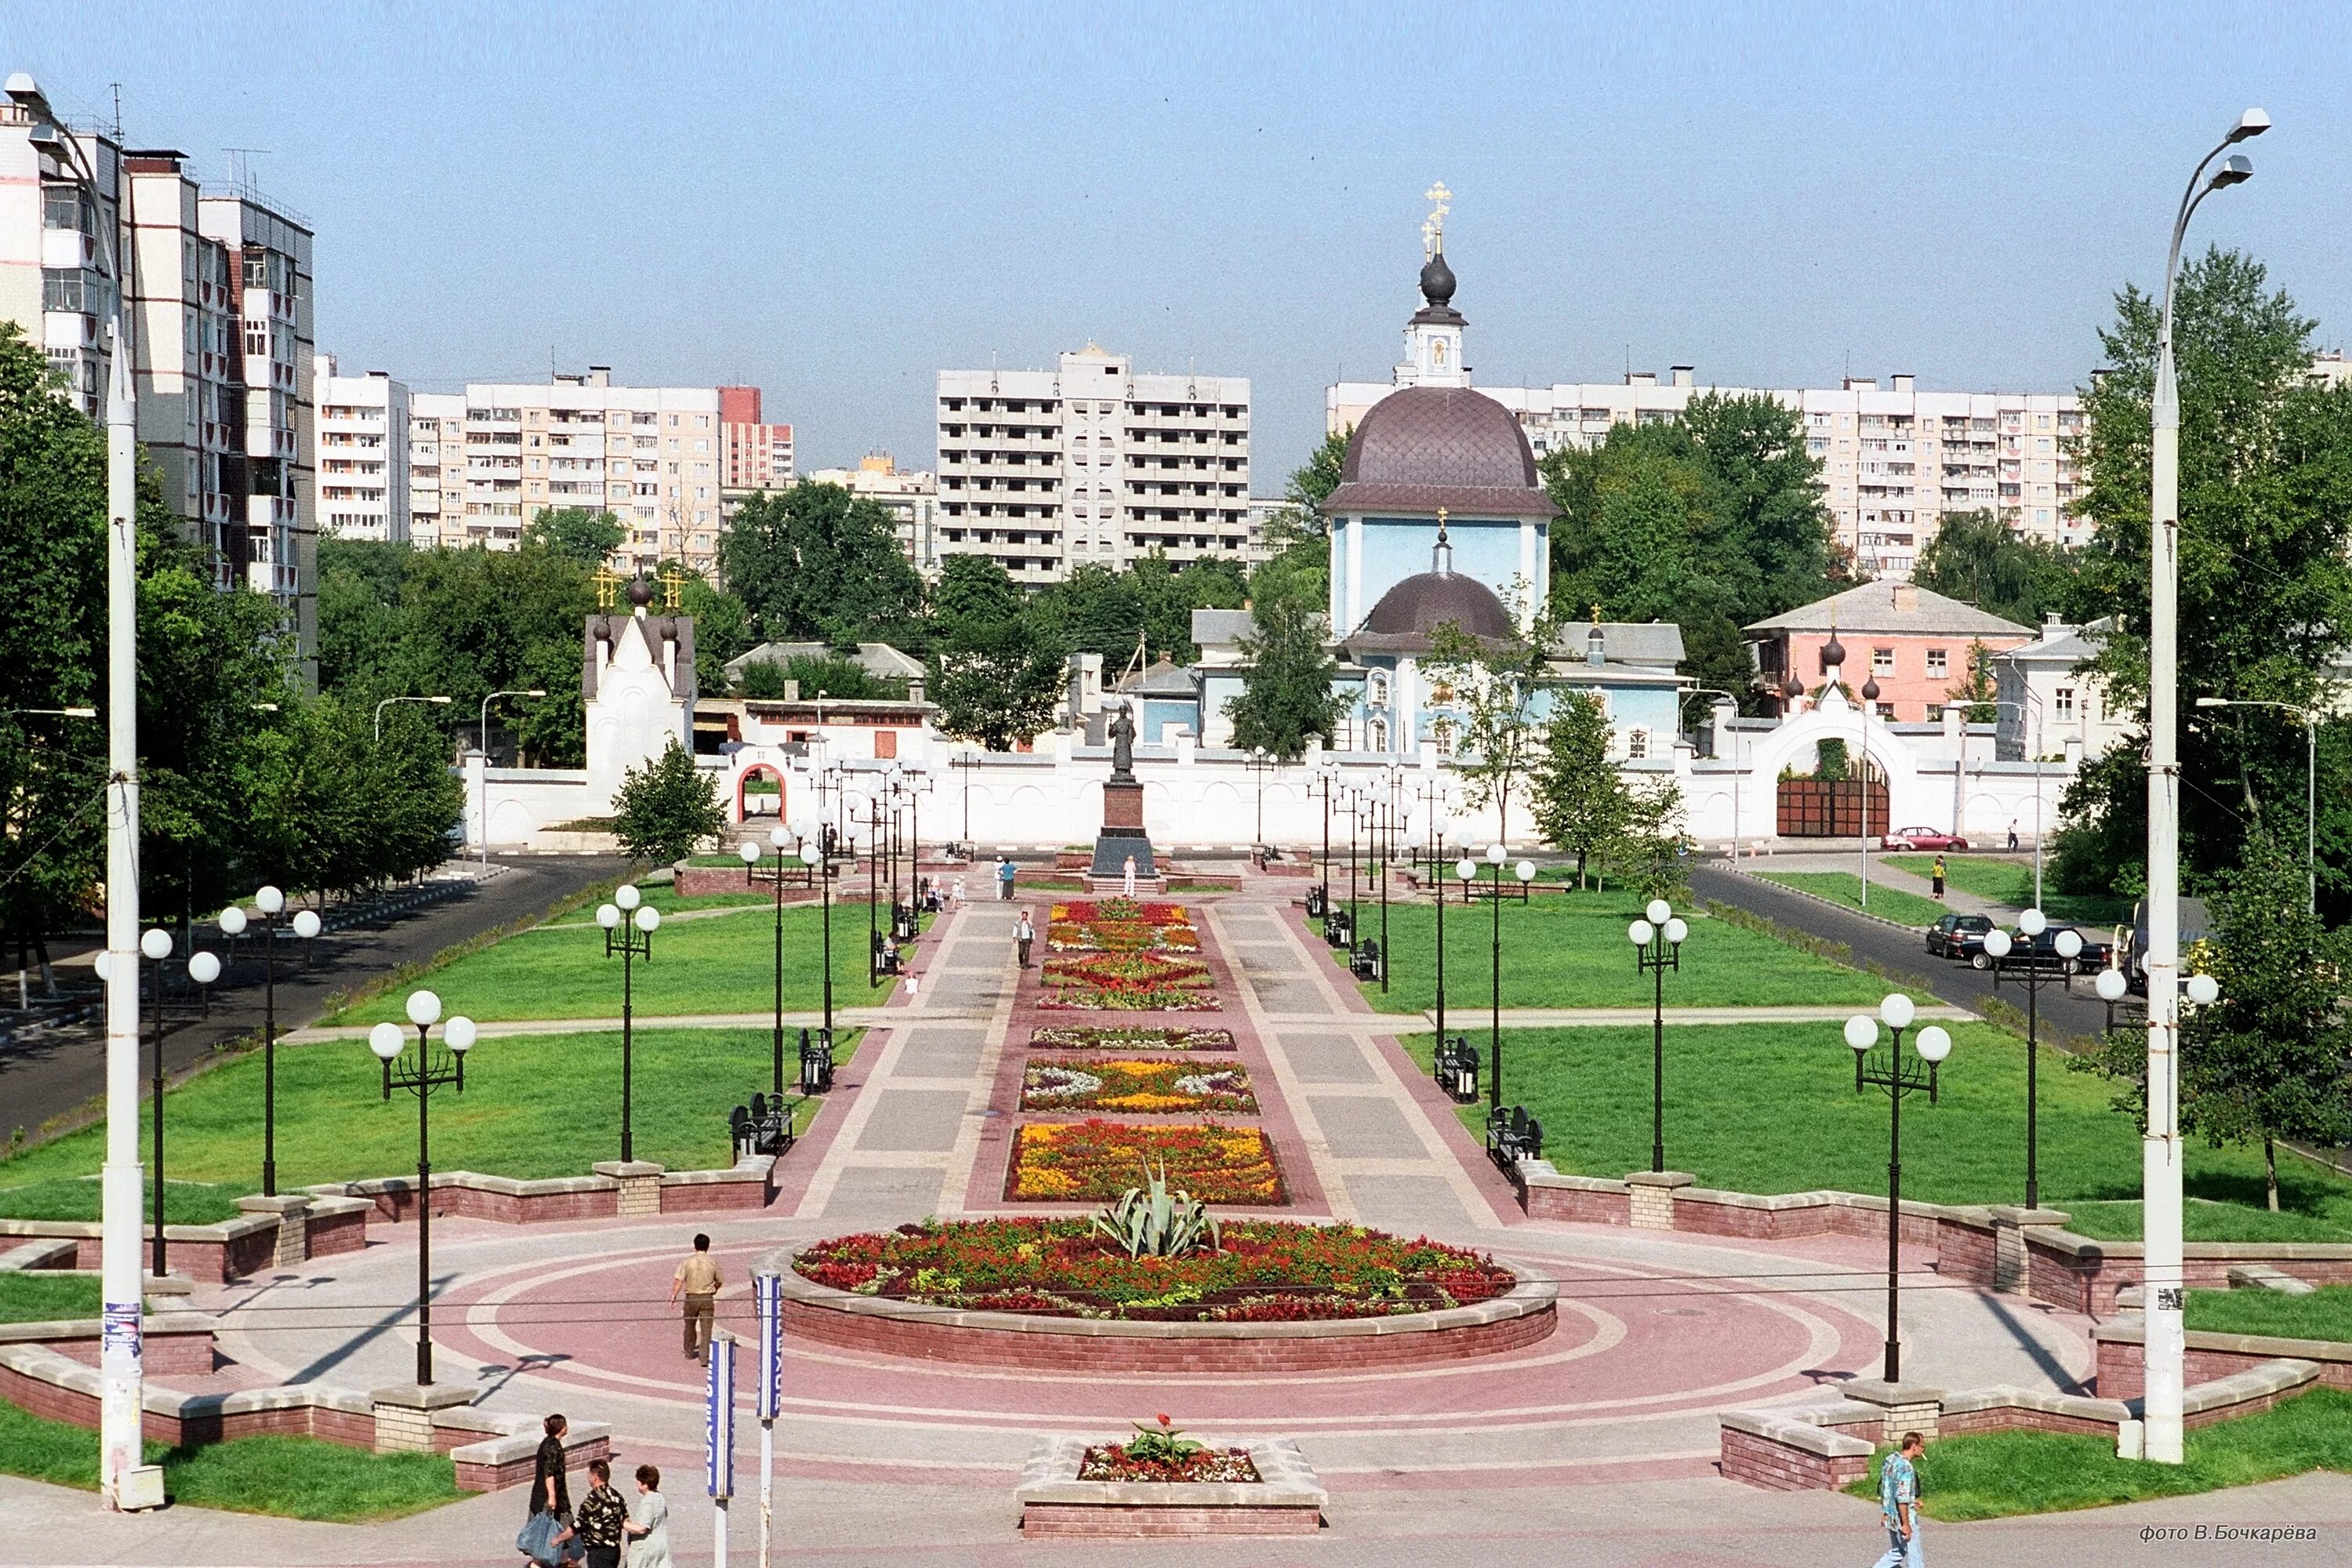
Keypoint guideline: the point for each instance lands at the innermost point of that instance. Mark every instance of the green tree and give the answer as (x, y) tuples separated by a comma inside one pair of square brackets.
[(1287, 696), (1653, 853), (817, 563), (1976, 688), (1581, 802), (1298, 536), (1095, 609), (1768, 486), (1491, 686), (722, 630), (591, 537), (995, 682), (1975, 558), (666, 808)]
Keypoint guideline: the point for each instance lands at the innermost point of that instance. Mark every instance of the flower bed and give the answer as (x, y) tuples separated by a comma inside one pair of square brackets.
[(1096, 1161), (1121, 925), (1267, 1271), (1129, 982), (1112, 1462), (1118, 1037), (1136, 1085)]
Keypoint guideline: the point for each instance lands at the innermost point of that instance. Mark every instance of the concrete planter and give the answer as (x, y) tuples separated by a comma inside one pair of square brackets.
[(1286, 1499)]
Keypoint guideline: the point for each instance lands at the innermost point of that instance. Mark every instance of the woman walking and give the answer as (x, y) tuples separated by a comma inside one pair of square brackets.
[(1127, 878), (648, 1526), (603, 1514), (551, 1492), (1939, 876)]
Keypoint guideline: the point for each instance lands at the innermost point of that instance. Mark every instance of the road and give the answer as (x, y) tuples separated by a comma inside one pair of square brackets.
[(50, 1072), (1898, 950)]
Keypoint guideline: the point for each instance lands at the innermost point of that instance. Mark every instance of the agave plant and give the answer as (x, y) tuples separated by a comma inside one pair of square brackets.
[(1151, 1221)]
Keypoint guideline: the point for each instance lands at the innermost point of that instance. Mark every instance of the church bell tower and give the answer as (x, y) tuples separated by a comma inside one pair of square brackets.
[(1433, 339)]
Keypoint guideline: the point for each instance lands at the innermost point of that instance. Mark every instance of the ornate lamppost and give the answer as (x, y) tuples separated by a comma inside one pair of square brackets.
[(1658, 939), (1260, 762), (779, 838), (1898, 1076), (813, 856), (629, 925), (428, 1072), (2068, 946), (1320, 906), (271, 902), (203, 968), (1526, 872)]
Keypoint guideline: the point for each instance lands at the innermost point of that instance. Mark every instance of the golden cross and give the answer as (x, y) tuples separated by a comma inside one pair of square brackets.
[(672, 582), (608, 586), (1432, 228)]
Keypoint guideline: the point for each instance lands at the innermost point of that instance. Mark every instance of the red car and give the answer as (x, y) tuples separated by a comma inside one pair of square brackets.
[(1922, 838)]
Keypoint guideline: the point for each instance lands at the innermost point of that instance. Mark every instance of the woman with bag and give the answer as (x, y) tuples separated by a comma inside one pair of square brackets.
[(547, 1536), (648, 1526)]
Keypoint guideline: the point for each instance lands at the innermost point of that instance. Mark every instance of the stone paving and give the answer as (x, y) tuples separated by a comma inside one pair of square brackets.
[(1605, 1432)]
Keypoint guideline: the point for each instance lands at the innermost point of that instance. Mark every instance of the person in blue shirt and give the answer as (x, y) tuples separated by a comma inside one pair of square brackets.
[(1899, 1504)]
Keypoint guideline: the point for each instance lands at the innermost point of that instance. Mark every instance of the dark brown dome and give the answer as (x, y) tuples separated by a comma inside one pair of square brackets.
[(1420, 604), (1424, 448)]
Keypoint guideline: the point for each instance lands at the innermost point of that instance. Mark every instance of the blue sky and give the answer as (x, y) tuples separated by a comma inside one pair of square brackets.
[(835, 203)]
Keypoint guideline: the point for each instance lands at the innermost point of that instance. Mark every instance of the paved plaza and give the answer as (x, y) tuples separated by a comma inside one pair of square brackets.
[(1602, 1435)]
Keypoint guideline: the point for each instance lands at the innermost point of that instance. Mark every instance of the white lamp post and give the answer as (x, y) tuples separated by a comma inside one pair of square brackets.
[(1899, 1077), (422, 1076)]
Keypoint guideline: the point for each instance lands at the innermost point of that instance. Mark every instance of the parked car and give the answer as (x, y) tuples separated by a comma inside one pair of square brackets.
[(1922, 838), (1957, 936), (2041, 953)]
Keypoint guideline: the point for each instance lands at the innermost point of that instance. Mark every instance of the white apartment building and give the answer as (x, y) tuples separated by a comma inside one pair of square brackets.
[(1091, 463), (218, 316), (437, 468), (362, 460), (910, 497)]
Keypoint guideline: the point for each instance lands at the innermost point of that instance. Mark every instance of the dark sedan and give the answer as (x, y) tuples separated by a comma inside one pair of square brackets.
[(2041, 953), (1957, 936)]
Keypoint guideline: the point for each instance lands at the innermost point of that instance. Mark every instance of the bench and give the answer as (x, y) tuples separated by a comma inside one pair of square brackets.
[(816, 1061), (1456, 1068), (1367, 961), (1512, 1136), (763, 1127)]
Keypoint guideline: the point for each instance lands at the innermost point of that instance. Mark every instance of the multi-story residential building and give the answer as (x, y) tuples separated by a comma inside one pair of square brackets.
[(753, 456), (1092, 463), (362, 460), (436, 468), (218, 321), (1895, 461), (912, 499)]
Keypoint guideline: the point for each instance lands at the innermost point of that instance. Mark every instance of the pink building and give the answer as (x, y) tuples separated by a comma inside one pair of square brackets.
[(753, 456), (1916, 644)]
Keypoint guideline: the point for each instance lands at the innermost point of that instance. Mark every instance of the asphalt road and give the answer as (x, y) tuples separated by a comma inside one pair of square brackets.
[(50, 1072), (1900, 951)]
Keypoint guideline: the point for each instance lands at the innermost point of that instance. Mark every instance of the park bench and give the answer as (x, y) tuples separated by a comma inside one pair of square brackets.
[(763, 1127), (1512, 1136), (816, 1061), (1339, 929), (1367, 961), (1455, 1068)]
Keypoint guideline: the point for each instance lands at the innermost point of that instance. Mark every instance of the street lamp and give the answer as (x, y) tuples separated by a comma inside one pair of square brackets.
[(436, 701), (1526, 872), (629, 925), (271, 902), (1320, 906), (2310, 722), (1657, 939), (750, 851), (203, 968), (533, 691), (812, 855), (2160, 1145), (421, 1077), (1260, 762), (2068, 945), (1869, 704), (2029, 711), (1899, 1076)]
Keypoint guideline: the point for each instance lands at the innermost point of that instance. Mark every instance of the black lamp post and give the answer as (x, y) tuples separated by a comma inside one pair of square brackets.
[(421, 1077), (1658, 939), (203, 968), (812, 856), (271, 902), (1260, 763), (1898, 1076), (750, 851), (1322, 786), (1526, 872), (873, 891), (2068, 946), (629, 925), (1355, 817)]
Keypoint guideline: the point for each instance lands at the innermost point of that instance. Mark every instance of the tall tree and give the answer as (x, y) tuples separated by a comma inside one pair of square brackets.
[(1769, 487), (591, 537), (996, 676), (815, 561), (1581, 804), (663, 809), (1488, 687), (1298, 538), (1975, 558), (1286, 696)]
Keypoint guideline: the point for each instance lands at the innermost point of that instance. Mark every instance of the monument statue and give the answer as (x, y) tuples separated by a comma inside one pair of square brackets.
[(1122, 741), (1122, 849)]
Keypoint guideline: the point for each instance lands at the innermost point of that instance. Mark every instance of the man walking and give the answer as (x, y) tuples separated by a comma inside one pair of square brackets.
[(1023, 935), (697, 1280), (2012, 836), (1899, 1504)]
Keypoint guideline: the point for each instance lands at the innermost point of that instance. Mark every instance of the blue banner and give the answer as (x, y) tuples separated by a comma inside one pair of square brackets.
[(718, 1418), (768, 1293)]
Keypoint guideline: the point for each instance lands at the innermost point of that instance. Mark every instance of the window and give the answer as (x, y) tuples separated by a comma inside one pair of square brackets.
[(1637, 744), (1377, 690), (2063, 702), (1935, 712), (1939, 662), (1882, 661), (1379, 730), (1441, 735), (1886, 711)]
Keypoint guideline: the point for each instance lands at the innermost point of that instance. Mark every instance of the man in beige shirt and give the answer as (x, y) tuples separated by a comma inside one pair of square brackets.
[(698, 1280)]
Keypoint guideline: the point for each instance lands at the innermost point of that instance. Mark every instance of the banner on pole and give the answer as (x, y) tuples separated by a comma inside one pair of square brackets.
[(718, 1418), (768, 1293)]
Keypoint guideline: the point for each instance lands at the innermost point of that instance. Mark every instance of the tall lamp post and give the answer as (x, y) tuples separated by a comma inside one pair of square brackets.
[(203, 968), (2068, 945), (1321, 784), (517, 691), (1526, 871), (1898, 1076), (2161, 1148), (1657, 941), (421, 1077), (2029, 715), (1869, 705), (813, 856), (629, 925), (2310, 723), (748, 850), (1260, 762), (436, 701), (271, 902)]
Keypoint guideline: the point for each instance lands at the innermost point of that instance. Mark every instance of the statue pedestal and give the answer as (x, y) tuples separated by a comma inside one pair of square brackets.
[(1122, 834)]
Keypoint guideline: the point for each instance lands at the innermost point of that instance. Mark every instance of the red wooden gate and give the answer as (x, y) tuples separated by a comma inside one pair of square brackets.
[(1831, 808)]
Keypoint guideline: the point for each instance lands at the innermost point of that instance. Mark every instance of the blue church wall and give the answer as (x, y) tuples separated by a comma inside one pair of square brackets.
[(1396, 548), (1160, 711)]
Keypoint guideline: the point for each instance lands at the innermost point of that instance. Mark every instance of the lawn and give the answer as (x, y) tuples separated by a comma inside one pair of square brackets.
[(1772, 1108), (75, 1197), (2324, 1314), (1570, 950), (1994, 1475), (1845, 887), (2011, 882), (535, 1105), (292, 1478), (2311, 1208), (39, 1297), (718, 963)]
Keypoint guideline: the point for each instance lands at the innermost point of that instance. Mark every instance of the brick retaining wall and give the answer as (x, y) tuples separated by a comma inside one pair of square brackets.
[(1133, 1521), (2122, 1370), (1784, 1468)]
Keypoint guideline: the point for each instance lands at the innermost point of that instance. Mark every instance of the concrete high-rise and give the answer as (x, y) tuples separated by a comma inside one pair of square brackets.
[(364, 472)]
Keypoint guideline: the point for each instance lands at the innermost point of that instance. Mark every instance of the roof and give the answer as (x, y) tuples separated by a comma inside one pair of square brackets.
[(1161, 679), (875, 658), (1430, 447), (659, 629), (1410, 611), (1656, 643), (1219, 628), (2065, 645), (1889, 606)]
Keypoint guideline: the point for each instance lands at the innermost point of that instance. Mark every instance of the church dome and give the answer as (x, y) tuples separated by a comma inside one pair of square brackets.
[(1424, 448), (1420, 604)]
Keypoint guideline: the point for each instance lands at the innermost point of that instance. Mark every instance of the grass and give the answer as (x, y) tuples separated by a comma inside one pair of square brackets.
[(721, 964), (74, 1197), (1995, 1475), (1772, 1108), (292, 1478), (2310, 1210), (1570, 950), (534, 1106), (2324, 1314), (41, 1296), (2011, 882), (1845, 888)]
